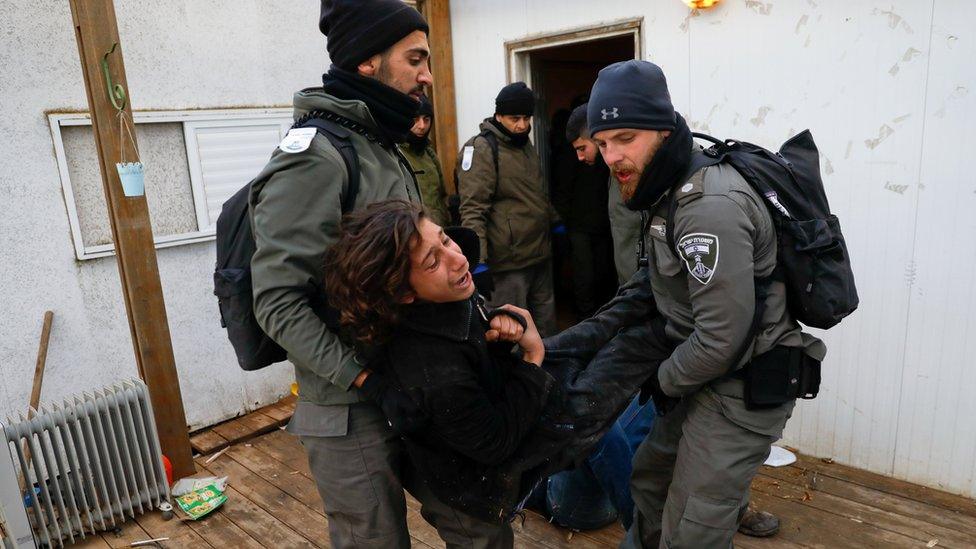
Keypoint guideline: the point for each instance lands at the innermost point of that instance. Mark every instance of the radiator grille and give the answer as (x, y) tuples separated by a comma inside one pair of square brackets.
[(92, 462)]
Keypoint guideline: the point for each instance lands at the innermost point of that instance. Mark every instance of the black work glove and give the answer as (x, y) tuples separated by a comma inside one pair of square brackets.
[(402, 413), (651, 389)]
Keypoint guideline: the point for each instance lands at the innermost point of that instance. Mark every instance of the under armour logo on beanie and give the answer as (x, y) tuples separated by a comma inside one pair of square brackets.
[(630, 94)]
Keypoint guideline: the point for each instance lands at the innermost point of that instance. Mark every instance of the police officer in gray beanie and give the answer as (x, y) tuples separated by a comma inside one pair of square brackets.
[(692, 474), (379, 55), (505, 200)]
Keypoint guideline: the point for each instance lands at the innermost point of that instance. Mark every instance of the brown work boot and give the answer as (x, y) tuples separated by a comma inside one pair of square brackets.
[(759, 524)]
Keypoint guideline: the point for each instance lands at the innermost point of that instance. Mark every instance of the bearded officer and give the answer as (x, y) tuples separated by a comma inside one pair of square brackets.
[(692, 474)]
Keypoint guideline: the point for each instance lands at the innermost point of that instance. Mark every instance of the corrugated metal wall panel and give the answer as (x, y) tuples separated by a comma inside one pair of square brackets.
[(886, 87)]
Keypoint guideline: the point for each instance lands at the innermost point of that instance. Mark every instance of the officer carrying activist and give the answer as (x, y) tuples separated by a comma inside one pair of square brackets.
[(691, 477), (379, 54)]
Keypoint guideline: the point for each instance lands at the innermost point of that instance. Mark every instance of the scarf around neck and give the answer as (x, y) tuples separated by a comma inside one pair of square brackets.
[(516, 139), (417, 144), (393, 111), (669, 165)]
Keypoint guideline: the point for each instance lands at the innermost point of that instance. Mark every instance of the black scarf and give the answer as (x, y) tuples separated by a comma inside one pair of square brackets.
[(392, 110), (417, 144), (669, 165), (517, 139)]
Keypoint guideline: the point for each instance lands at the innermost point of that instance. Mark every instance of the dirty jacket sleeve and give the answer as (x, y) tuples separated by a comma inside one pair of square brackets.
[(633, 304), (295, 221), (484, 429), (476, 188), (722, 306)]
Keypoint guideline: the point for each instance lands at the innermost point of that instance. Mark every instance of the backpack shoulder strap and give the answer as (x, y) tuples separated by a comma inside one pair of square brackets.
[(340, 138), (493, 144)]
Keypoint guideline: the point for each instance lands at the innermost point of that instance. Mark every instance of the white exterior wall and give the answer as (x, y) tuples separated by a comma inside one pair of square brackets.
[(886, 88), (178, 55)]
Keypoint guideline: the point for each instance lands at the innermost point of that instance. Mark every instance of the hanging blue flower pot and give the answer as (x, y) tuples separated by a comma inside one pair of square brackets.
[(132, 176)]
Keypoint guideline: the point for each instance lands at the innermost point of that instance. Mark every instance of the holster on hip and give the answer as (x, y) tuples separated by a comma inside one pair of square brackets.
[(779, 376)]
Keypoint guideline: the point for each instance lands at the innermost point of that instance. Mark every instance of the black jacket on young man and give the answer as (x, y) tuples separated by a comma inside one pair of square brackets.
[(491, 434)]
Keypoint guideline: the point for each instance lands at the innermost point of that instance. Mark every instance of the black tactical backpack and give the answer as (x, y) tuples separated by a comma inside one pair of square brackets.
[(235, 247), (812, 258)]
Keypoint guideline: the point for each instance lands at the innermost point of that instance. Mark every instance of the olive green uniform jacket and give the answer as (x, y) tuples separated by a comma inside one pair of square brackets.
[(430, 179), (510, 213), (295, 212)]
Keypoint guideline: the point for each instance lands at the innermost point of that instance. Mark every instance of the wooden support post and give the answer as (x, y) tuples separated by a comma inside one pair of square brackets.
[(438, 14), (96, 31)]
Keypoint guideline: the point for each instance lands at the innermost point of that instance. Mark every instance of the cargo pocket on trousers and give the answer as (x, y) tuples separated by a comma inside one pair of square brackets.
[(706, 522)]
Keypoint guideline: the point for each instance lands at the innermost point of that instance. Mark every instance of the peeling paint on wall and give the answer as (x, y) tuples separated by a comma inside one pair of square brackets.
[(803, 21), (828, 166), (760, 117), (762, 8), (894, 20), (883, 133), (898, 189)]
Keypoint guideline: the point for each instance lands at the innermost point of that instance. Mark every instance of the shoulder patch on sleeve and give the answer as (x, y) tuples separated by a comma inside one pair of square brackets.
[(700, 253), (297, 140), (466, 157)]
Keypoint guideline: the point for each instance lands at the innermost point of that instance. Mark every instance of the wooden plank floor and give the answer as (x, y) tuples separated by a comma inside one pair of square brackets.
[(273, 502)]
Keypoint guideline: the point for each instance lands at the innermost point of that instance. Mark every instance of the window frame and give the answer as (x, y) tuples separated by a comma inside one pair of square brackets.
[(191, 120)]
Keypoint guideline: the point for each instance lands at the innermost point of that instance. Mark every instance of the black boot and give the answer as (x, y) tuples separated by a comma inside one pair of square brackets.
[(759, 524)]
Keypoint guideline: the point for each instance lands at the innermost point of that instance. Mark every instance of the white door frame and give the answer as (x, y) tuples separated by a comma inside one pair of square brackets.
[(517, 51)]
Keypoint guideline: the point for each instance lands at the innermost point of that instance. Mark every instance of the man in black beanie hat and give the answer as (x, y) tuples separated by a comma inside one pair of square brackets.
[(505, 200), (370, 96), (692, 474)]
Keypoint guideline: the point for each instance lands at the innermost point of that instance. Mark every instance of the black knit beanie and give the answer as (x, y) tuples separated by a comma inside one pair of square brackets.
[(630, 94), (359, 29), (426, 107), (515, 99)]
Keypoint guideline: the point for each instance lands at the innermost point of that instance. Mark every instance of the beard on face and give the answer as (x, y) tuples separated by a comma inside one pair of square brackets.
[(385, 75), (628, 189)]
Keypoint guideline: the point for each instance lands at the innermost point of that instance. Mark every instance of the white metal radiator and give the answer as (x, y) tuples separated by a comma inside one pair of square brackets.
[(91, 463)]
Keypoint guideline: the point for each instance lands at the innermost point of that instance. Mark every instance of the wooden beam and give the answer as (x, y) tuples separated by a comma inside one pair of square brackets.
[(96, 31), (438, 14)]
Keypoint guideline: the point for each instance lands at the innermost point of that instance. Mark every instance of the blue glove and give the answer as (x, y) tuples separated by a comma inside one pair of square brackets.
[(483, 281), (559, 229)]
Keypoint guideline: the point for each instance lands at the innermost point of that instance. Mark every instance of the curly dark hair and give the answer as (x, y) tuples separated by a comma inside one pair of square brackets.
[(367, 271)]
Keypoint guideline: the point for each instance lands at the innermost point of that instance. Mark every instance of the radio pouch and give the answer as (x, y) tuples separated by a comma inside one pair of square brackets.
[(779, 376)]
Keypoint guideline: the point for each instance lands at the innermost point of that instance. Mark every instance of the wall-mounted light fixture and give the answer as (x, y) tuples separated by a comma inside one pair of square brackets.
[(701, 4)]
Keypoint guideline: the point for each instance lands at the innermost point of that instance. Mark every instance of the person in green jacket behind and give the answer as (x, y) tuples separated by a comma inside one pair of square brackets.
[(505, 201), (426, 166)]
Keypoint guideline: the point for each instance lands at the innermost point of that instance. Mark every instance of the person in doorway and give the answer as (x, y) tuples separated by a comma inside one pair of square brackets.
[(426, 166), (580, 197), (692, 474), (379, 71), (505, 201)]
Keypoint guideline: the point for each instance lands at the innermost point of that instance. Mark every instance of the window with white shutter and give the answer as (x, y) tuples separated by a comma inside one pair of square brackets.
[(194, 161)]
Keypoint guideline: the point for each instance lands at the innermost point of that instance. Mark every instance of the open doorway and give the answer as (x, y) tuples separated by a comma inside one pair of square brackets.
[(562, 77), (561, 70)]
